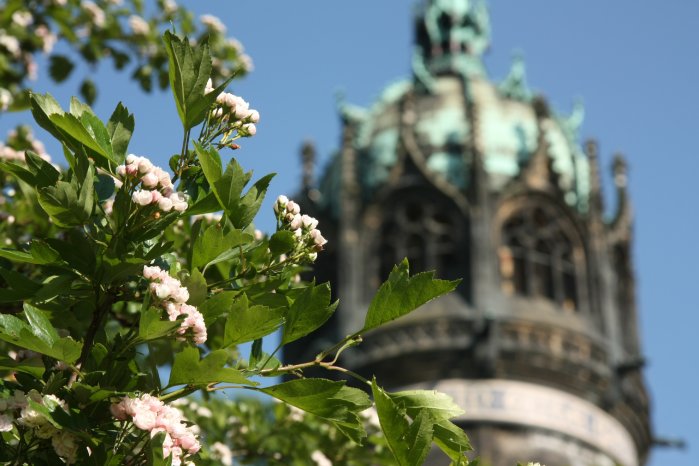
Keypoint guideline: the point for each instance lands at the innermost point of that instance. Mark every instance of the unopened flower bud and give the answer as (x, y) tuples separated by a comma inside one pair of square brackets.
[(293, 208)]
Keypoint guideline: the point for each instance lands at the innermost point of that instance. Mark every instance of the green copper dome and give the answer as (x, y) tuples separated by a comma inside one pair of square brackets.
[(451, 112)]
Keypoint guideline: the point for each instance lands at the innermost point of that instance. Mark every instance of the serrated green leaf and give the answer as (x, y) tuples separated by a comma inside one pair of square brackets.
[(439, 405), (44, 173), (394, 425), (243, 213), (282, 242), (17, 332), (212, 242), (452, 440), (152, 326), (120, 128), (327, 399), (217, 305), (196, 285), (309, 311), (247, 323), (43, 253), (187, 369), (189, 70), (402, 294), (19, 171)]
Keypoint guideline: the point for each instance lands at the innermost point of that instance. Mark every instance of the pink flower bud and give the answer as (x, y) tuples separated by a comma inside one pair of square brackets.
[(165, 204), (149, 180), (309, 222), (142, 197), (293, 208)]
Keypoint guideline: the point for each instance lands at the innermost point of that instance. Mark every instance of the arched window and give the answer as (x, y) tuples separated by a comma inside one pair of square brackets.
[(425, 229), (536, 258)]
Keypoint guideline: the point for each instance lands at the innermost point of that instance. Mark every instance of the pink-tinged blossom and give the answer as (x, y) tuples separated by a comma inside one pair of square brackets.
[(6, 422), (150, 414), (66, 446)]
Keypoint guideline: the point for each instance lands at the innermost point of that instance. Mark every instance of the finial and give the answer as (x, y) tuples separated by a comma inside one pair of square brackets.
[(308, 156), (619, 169), (577, 116), (453, 34), (596, 198), (515, 84)]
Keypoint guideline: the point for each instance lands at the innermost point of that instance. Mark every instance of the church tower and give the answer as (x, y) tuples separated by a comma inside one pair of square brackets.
[(484, 181)]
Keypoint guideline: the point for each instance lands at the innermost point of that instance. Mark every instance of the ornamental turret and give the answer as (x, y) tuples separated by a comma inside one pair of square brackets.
[(484, 181)]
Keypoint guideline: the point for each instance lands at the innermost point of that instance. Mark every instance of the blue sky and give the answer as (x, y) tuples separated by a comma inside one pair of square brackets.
[(633, 64)]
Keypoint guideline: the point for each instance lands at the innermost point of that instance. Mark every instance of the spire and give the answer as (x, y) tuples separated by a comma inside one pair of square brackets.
[(451, 35), (596, 197), (308, 156), (622, 218)]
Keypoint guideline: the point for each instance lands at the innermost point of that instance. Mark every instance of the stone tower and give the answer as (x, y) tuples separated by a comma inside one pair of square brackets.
[(483, 181)]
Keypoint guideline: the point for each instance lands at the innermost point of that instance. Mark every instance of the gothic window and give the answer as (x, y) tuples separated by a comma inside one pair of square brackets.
[(424, 229), (536, 258)]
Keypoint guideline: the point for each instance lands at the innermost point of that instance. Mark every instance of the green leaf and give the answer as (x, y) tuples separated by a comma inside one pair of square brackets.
[(60, 67), (327, 399), (402, 294), (71, 130), (20, 287), (452, 440), (19, 171), (439, 405), (18, 256), (189, 70), (408, 442), (217, 305), (39, 335), (45, 174), (228, 187), (189, 370), (157, 454), (243, 213), (310, 310), (120, 128), (88, 91), (282, 242), (196, 285), (212, 242), (247, 323), (43, 253), (99, 134), (152, 326), (31, 366)]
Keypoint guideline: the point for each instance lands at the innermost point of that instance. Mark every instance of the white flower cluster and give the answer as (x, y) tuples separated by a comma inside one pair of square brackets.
[(303, 226), (320, 458), (138, 25), (173, 297), (150, 414), (17, 409), (95, 13), (235, 112), (213, 22), (22, 138), (159, 189)]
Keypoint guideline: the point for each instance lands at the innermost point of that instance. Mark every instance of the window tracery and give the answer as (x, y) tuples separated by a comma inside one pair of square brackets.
[(426, 231), (537, 257)]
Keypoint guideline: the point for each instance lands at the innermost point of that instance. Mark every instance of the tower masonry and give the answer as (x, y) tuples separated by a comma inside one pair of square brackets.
[(484, 181)]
